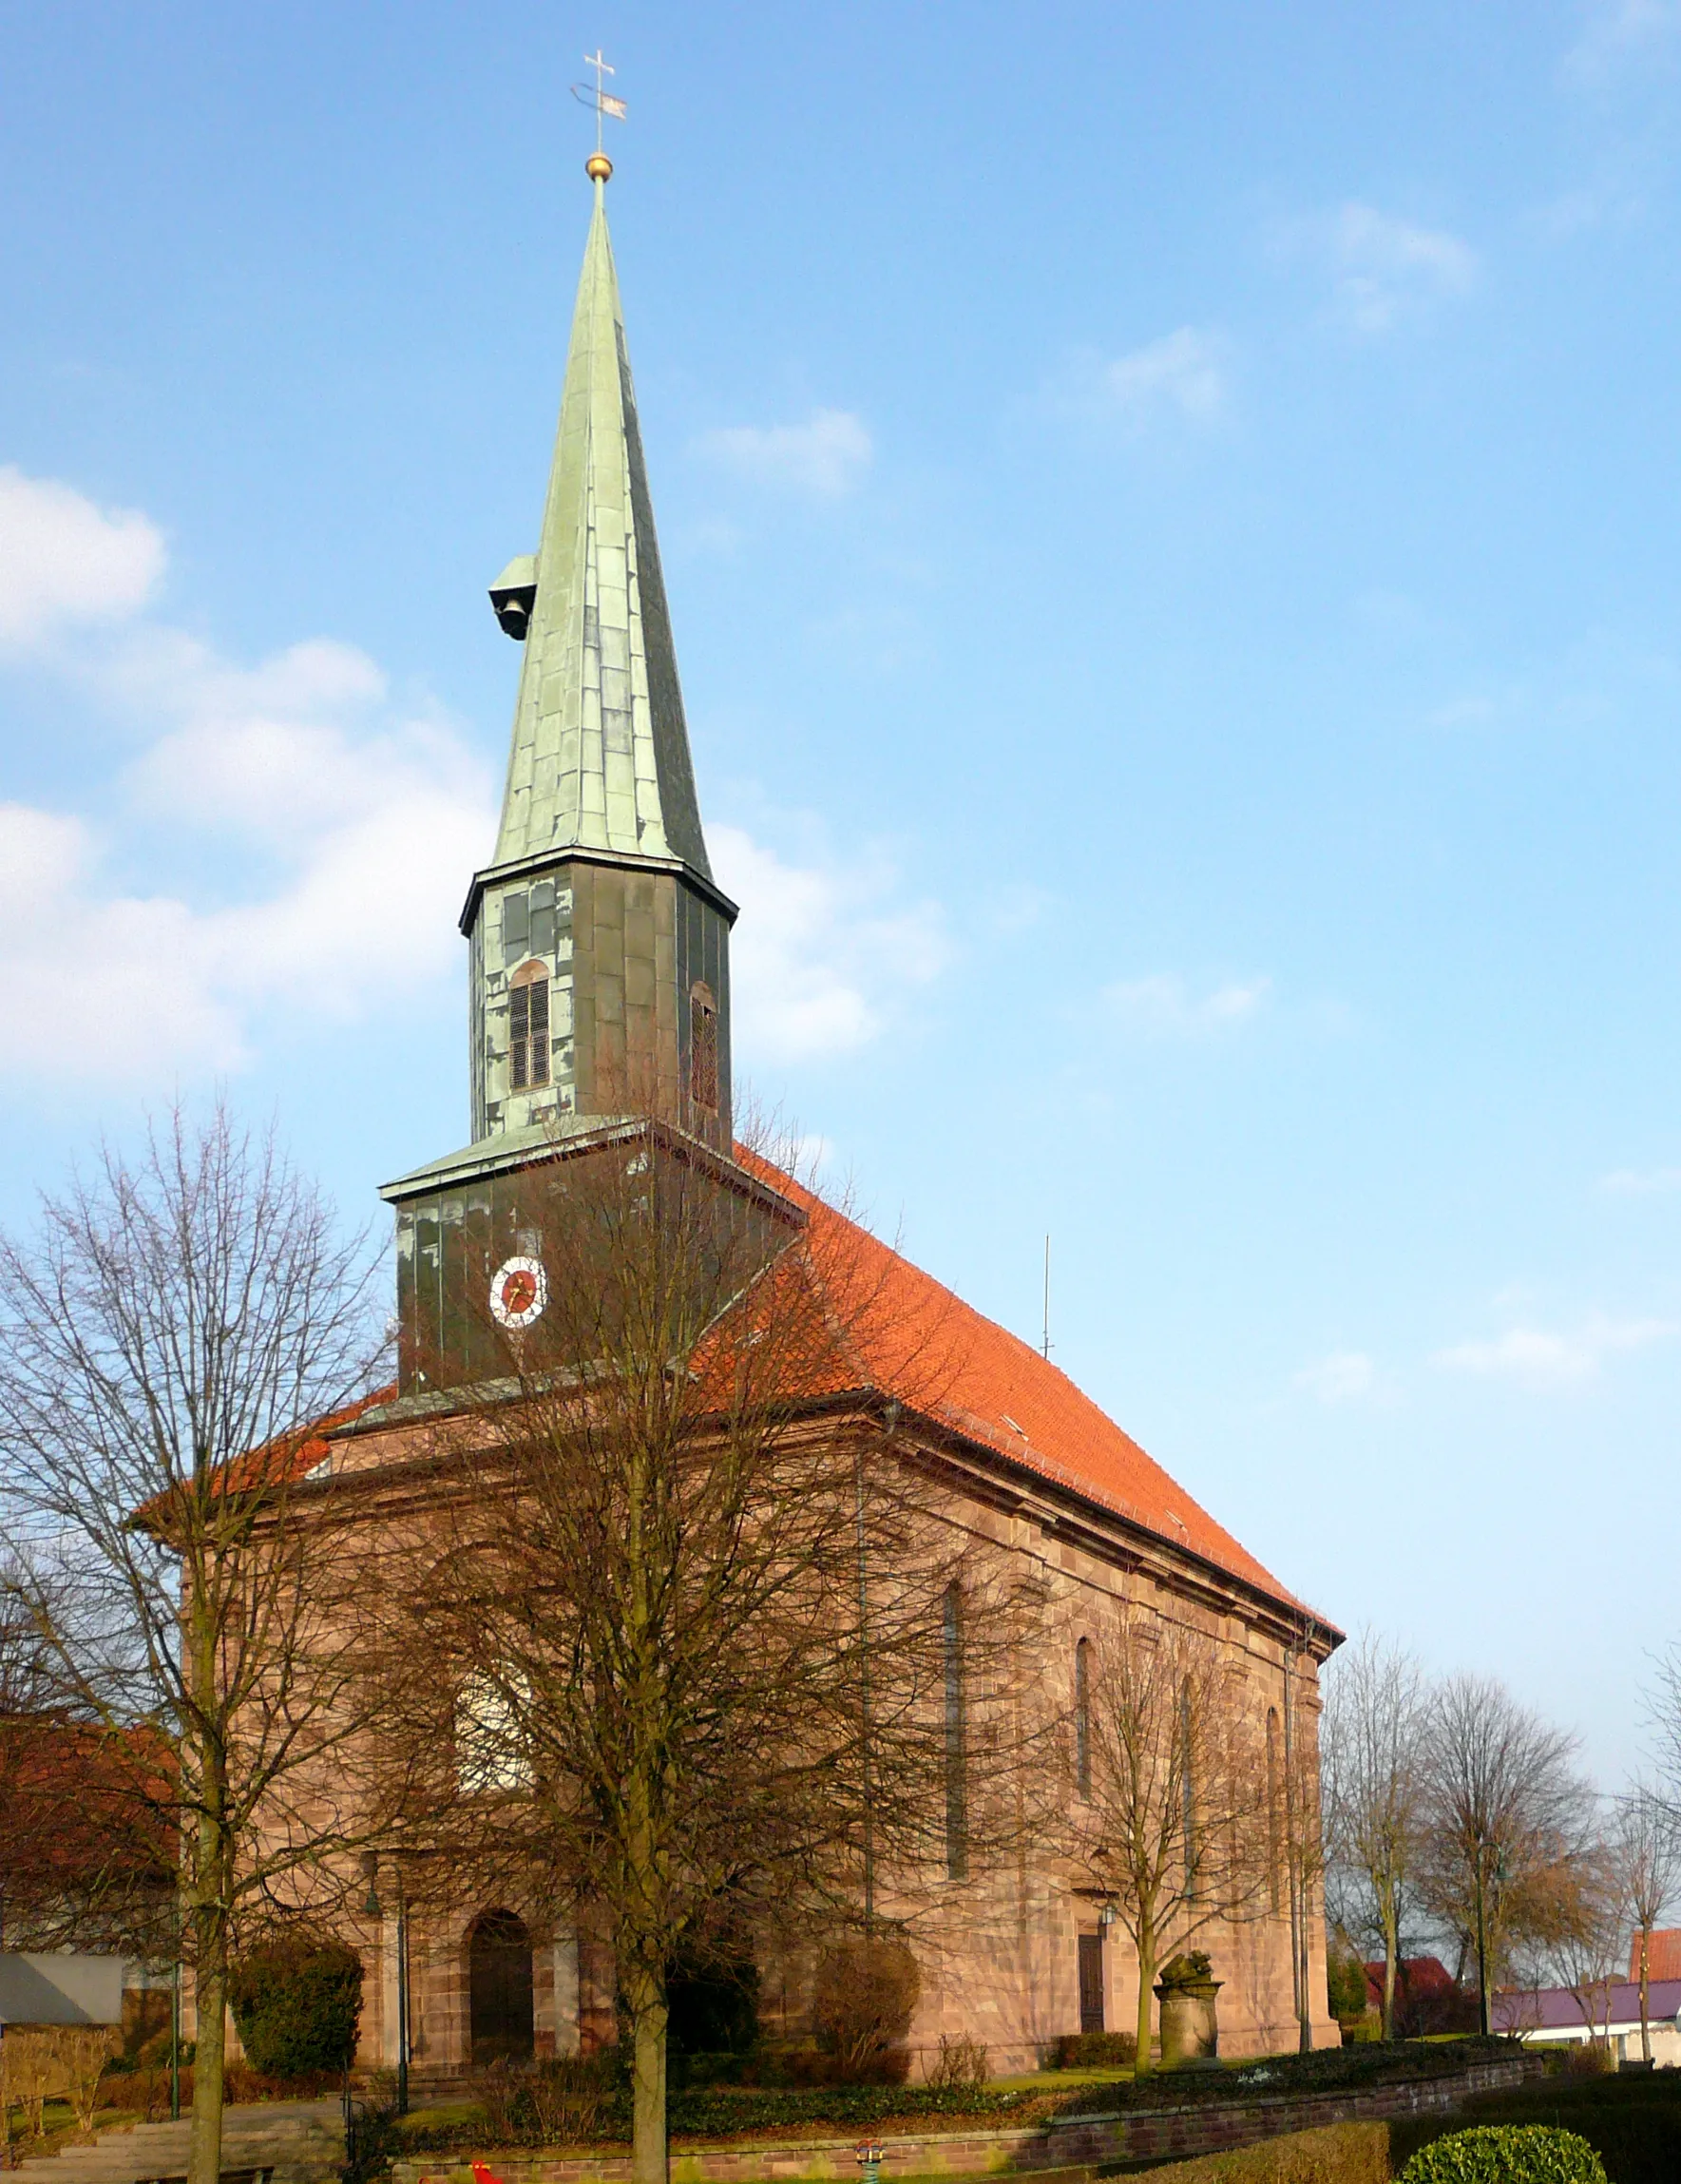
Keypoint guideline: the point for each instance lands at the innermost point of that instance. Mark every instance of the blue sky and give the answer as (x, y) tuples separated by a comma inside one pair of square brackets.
[(1174, 526)]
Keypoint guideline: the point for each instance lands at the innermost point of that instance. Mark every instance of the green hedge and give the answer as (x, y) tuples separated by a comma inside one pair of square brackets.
[(1325, 2070), (1342, 2154), (297, 2001), (1633, 2122), (1507, 2153)]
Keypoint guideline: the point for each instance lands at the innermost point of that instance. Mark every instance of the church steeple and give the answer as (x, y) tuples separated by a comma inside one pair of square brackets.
[(600, 942), (600, 753)]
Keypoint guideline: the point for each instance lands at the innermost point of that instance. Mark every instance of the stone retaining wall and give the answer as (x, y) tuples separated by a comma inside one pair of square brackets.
[(1082, 2143)]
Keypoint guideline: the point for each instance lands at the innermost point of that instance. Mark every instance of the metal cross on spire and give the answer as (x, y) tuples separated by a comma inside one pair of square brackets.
[(600, 98)]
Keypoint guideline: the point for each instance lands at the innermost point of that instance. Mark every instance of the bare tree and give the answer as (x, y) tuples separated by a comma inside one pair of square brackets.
[(1569, 1921), (163, 1337), (1374, 1752), (1504, 1807), (699, 1646), (1174, 1803), (1648, 1853), (1305, 1848)]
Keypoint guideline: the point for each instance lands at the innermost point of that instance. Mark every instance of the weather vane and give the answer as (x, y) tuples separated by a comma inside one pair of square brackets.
[(599, 167)]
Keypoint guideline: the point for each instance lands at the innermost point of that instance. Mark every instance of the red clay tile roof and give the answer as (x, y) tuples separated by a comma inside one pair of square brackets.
[(1663, 1959), (1416, 1978), (919, 1342)]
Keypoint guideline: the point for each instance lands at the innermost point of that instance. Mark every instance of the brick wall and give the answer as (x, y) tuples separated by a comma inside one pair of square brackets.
[(1201, 2127)]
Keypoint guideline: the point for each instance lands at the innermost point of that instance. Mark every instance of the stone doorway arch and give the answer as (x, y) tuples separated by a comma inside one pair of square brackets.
[(500, 2009)]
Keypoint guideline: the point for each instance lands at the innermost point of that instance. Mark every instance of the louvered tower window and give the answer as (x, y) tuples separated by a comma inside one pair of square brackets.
[(703, 1048), (528, 1027)]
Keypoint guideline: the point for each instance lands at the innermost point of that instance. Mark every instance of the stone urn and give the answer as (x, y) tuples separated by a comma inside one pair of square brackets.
[(1190, 2029)]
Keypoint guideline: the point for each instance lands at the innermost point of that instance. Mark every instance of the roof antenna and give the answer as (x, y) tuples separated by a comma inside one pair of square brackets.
[(1045, 1345)]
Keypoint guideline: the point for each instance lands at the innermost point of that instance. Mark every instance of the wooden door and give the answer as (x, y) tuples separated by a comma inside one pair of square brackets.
[(1091, 1982)]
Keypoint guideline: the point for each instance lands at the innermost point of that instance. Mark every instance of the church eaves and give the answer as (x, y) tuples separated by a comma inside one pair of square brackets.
[(601, 752)]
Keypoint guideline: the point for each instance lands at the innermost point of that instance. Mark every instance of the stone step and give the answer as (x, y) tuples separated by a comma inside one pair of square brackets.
[(296, 2141)]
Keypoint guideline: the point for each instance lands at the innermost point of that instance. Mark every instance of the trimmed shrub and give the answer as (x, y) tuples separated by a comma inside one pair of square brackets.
[(1344, 2153), (297, 2001), (1506, 2153), (1633, 2123), (1095, 2051)]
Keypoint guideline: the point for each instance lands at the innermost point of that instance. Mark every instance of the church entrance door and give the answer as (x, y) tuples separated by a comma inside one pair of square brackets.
[(1091, 1982), (499, 1990)]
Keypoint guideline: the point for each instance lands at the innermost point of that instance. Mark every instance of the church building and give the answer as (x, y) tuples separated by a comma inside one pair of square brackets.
[(599, 986)]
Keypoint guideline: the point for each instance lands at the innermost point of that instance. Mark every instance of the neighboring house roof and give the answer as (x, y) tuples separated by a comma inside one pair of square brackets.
[(82, 1806), (1415, 1979), (1663, 1957), (1557, 2009)]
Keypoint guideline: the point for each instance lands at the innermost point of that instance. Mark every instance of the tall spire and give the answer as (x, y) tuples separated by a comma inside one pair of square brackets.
[(600, 977), (601, 752)]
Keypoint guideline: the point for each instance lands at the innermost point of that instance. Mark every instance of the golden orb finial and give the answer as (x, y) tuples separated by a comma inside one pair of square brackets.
[(598, 167)]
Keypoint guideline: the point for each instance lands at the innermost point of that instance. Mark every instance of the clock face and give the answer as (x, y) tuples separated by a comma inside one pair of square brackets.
[(519, 1291)]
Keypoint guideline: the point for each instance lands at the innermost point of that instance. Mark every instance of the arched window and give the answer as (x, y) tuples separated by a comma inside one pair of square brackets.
[(527, 1056), (1188, 1789), (703, 1048), (500, 2017), (1274, 1818), (957, 1787), (1083, 1717)]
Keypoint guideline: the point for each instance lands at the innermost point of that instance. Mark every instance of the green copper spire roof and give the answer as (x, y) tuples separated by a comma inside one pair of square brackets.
[(600, 753)]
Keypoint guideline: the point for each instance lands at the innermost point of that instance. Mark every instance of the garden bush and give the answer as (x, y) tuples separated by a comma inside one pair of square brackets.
[(862, 2002), (297, 2001), (1633, 2123), (1506, 2153), (1095, 2051), (960, 2060), (1344, 2153)]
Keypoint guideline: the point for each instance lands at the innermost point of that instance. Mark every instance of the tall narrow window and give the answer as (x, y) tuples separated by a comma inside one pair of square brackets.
[(527, 1059), (1083, 1717), (1274, 1827), (1188, 1763), (703, 1048), (957, 1787)]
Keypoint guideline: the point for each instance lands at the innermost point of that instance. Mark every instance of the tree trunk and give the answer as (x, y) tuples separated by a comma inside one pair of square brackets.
[(1482, 2019), (1142, 2066), (210, 1987), (1392, 1963), (645, 2000), (1644, 1997)]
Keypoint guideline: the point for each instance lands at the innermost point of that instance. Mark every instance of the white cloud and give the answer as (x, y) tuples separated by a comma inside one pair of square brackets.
[(1640, 1183), (1344, 1376), (352, 826), (1619, 36), (1165, 1007), (1544, 1357), (63, 560), (1385, 269), (827, 455), (1182, 374), (824, 957), (95, 984)]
